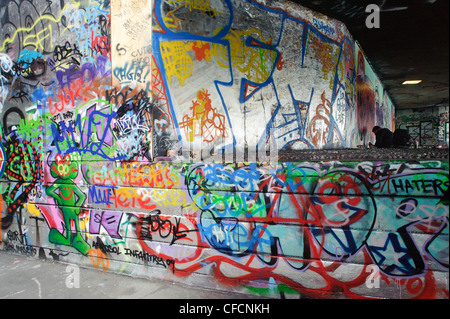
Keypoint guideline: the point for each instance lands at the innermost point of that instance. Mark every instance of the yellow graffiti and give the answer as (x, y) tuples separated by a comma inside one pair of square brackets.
[(200, 5), (39, 35), (157, 175), (256, 63), (84, 222), (171, 21), (176, 61), (33, 210), (178, 57), (164, 197), (221, 51), (324, 52)]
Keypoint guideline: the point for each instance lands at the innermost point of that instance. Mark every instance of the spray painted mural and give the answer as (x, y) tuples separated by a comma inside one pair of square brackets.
[(302, 83), (95, 95)]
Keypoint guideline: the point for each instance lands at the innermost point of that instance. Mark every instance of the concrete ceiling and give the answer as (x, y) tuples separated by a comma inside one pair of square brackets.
[(410, 44)]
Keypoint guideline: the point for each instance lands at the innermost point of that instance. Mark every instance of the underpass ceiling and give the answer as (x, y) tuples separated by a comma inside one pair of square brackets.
[(410, 44)]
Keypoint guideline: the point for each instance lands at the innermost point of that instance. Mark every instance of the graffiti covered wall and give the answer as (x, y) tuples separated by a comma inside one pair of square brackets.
[(302, 83), (94, 96)]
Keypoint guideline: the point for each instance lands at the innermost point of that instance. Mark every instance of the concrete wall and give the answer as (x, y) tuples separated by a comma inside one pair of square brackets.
[(269, 72), (93, 96), (430, 125)]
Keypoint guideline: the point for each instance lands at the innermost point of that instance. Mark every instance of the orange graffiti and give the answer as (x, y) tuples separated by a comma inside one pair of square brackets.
[(205, 120), (318, 127), (323, 52), (202, 50), (98, 259)]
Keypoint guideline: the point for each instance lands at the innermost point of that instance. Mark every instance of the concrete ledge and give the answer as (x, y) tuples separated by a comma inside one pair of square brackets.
[(369, 154)]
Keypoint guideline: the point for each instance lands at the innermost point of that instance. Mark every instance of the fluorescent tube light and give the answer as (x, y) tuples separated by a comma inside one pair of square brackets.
[(412, 82)]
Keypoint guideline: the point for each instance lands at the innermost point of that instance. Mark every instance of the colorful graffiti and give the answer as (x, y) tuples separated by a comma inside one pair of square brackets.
[(101, 101), (258, 70)]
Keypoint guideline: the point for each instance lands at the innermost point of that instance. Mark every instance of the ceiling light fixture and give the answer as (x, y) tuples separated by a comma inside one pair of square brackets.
[(412, 82)]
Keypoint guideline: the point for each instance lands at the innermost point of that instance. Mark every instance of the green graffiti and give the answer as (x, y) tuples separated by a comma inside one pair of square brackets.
[(69, 199)]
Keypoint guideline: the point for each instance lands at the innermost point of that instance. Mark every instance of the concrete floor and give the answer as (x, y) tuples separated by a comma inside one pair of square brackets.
[(30, 278)]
